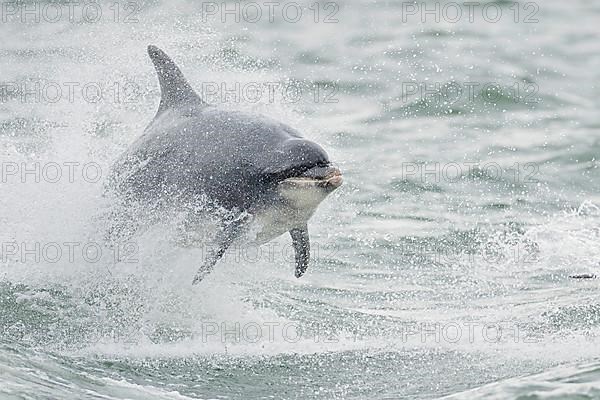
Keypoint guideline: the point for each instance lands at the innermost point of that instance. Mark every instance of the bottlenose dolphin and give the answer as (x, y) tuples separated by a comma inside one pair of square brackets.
[(260, 170)]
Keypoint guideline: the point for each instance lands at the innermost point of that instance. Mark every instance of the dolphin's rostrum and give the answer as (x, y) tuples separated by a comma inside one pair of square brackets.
[(259, 169)]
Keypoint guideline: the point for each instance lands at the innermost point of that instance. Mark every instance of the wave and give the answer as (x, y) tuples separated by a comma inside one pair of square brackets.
[(567, 382)]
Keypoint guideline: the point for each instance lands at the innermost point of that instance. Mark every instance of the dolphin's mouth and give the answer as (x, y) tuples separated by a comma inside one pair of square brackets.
[(327, 177)]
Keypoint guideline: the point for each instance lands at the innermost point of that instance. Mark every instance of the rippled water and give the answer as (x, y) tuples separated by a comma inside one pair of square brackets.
[(441, 266)]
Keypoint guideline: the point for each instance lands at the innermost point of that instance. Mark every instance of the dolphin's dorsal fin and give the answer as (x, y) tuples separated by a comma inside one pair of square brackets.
[(174, 88)]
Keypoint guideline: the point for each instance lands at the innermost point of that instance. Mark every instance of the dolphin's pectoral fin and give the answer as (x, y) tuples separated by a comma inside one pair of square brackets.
[(231, 230), (174, 88), (301, 243)]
